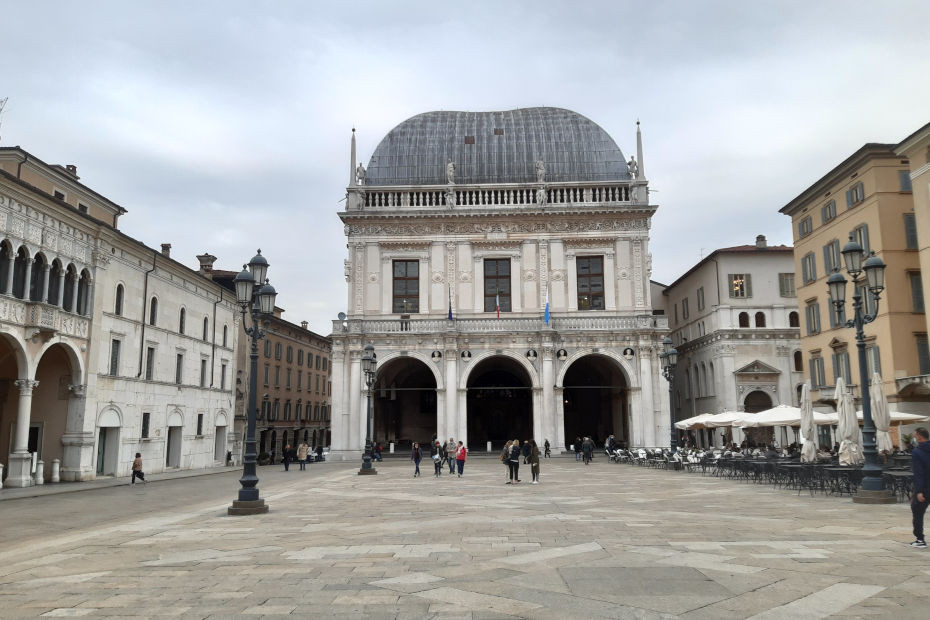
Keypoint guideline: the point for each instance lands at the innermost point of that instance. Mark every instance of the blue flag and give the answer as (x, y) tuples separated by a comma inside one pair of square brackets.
[(546, 315)]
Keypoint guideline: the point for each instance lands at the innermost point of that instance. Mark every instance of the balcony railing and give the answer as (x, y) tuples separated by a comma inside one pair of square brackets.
[(43, 317), (502, 325)]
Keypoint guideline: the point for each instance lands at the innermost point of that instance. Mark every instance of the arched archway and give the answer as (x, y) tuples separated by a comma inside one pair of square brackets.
[(755, 402), (404, 403), (595, 399), (13, 367), (499, 403), (58, 368)]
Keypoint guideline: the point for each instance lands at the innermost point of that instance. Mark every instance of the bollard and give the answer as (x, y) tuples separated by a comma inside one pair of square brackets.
[(56, 470), (489, 446), (391, 447), (40, 472), (1, 475)]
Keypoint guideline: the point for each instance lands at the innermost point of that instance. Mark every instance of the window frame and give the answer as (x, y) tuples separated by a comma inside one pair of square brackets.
[(805, 227), (490, 299), (808, 268), (406, 302), (855, 195), (179, 369), (590, 279), (740, 282), (786, 287), (828, 211)]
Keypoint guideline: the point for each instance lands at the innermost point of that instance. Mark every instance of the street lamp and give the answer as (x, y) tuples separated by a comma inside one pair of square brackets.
[(669, 358), (873, 485), (369, 365), (255, 297)]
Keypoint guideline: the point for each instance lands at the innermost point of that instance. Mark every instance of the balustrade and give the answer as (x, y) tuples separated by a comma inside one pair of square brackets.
[(502, 325), (481, 196)]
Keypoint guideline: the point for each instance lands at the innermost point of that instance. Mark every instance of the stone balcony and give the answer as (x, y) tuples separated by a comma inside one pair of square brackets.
[(45, 319), (613, 324)]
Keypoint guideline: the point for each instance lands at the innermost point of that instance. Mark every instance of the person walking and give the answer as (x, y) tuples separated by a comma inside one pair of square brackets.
[(514, 462), (534, 461), (450, 455), (287, 457), (461, 453), (416, 456), (137, 469), (526, 451), (587, 447), (547, 454), (920, 464), (438, 454), (376, 452), (302, 451), (577, 448)]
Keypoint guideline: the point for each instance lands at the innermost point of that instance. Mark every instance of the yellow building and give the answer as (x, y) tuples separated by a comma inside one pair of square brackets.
[(868, 196)]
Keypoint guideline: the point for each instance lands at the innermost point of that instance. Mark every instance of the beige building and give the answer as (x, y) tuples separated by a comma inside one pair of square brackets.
[(916, 148), (734, 321), (869, 197)]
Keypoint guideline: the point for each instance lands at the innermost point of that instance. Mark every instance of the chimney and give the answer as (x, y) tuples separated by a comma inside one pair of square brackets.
[(760, 242), (72, 170), (206, 263), (166, 249), (304, 324)]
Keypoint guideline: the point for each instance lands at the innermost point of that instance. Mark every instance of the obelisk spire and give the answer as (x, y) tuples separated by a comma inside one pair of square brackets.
[(352, 164), (639, 152)]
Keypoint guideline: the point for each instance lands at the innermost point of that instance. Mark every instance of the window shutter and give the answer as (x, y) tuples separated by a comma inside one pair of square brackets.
[(813, 371), (917, 291), (827, 259), (923, 354), (849, 200), (748, 284), (833, 360), (846, 369), (910, 231), (876, 359), (730, 284)]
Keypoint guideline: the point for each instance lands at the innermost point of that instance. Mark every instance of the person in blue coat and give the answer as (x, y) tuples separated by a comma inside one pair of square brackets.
[(920, 464)]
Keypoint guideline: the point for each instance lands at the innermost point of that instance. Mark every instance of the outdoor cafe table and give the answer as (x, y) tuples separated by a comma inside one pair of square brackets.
[(843, 479), (901, 482)]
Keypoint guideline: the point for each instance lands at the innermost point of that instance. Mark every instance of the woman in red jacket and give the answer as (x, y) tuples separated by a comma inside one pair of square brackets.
[(461, 453)]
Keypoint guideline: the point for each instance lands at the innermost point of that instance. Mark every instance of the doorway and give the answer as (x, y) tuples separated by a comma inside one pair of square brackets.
[(499, 403), (173, 451)]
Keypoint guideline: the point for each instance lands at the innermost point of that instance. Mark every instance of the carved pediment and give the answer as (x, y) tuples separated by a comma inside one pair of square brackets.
[(757, 368)]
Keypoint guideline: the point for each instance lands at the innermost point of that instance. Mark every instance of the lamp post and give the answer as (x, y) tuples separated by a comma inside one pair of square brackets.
[(873, 485), (256, 298), (669, 358), (369, 366)]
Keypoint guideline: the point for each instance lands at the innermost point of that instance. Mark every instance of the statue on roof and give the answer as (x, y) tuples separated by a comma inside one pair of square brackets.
[(450, 172), (360, 174), (634, 168), (540, 171), (541, 196)]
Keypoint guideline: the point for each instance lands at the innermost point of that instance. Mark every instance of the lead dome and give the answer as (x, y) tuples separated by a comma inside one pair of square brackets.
[(496, 147)]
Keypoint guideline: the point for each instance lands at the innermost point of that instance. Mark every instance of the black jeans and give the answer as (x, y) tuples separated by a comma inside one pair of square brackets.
[(918, 509), (139, 475), (514, 470)]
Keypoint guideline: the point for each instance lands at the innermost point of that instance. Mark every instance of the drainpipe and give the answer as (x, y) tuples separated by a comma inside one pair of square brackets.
[(145, 295), (213, 347), (19, 167)]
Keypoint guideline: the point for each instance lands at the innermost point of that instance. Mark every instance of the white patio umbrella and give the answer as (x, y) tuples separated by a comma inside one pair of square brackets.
[(782, 415), (847, 426), (723, 419), (880, 415), (895, 417), (808, 432), (695, 422)]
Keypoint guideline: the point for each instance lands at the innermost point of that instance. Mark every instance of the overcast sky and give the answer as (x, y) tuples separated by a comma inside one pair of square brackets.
[(224, 126)]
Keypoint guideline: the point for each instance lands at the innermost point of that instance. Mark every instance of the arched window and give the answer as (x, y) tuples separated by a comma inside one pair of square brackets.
[(794, 320), (118, 306), (68, 299), (6, 255), (37, 278), (181, 316), (225, 333), (744, 319), (83, 299), (153, 311), (798, 365), (710, 380), (19, 273), (760, 319), (206, 328)]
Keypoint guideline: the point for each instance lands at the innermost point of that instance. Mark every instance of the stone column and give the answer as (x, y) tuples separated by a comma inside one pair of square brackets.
[(8, 290), (461, 397), (61, 289), (89, 300), (571, 276), (20, 460), (479, 284), (610, 280), (355, 380), (450, 380), (548, 394), (516, 283), (28, 278), (47, 269), (559, 395), (74, 293), (539, 421), (78, 444)]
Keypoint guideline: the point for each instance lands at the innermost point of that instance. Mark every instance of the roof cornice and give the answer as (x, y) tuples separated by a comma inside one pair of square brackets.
[(909, 142)]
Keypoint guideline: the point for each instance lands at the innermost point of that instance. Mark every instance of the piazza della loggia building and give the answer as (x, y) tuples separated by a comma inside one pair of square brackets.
[(499, 264)]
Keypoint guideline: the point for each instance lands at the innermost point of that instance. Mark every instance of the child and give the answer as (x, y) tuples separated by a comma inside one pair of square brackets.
[(137, 469)]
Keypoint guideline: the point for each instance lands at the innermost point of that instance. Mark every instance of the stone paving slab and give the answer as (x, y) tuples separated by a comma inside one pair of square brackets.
[(602, 541)]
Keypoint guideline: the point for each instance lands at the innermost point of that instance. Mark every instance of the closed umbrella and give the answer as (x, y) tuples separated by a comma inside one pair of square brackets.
[(808, 432), (847, 427), (880, 415)]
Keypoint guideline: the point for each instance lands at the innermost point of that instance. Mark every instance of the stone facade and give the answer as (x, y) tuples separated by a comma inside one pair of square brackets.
[(450, 247), (113, 348)]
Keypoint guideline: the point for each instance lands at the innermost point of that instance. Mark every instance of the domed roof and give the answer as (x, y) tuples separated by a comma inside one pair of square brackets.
[(496, 147)]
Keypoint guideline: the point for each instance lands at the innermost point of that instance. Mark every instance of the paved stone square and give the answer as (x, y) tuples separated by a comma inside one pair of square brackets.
[(611, 541)]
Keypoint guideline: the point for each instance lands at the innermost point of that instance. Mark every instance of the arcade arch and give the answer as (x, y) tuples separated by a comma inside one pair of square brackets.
[(595, 400), (404, 403), (499, 402)]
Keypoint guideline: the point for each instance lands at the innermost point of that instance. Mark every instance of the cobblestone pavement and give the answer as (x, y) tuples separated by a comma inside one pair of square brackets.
[(610, 541)]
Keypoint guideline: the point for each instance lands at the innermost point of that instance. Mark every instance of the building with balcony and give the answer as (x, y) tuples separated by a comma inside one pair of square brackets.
[(868, 198), (498, 262), (734, 321), (107, 347)]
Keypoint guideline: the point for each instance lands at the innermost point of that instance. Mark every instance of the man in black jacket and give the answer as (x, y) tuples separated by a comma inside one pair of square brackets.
[(920, 464), (438, 454)]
